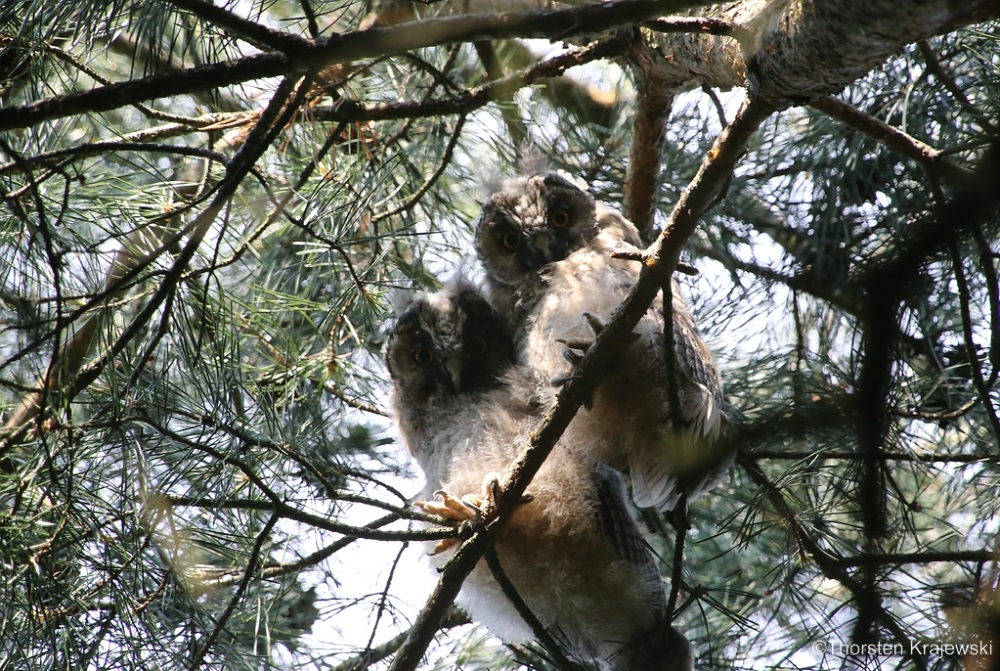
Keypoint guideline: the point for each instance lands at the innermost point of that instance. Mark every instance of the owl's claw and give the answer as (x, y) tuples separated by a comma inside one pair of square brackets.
[(469, 512), (450, 508), (595, 323)]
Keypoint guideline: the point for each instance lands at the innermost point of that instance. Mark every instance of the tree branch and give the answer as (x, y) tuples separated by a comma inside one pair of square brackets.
[(256, 34), (371, 43), (931, 159), (649, 132)]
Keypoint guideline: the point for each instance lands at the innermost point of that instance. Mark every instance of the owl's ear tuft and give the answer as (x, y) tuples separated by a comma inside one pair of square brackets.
[(489, 181), (467, 277), (400, 299), (532, 161)]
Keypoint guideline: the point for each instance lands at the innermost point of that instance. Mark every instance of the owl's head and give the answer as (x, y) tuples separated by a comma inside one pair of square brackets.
[(531, 222), (447, 343)]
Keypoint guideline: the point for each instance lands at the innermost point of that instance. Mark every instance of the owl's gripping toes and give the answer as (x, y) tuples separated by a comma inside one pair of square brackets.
[(469, 509)]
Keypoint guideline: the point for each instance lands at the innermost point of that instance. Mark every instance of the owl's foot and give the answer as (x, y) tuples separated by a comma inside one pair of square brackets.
[(467, 513), (577, 349)]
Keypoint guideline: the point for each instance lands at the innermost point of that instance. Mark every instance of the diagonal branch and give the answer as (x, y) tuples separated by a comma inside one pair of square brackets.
[(930, 159), (538, 629), (256, 34)]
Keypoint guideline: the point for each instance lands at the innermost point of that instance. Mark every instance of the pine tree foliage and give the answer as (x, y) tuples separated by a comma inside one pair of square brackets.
[(197, 468)]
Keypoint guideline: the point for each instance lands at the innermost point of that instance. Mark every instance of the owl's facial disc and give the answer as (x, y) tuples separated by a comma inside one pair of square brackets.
[(529, 250)]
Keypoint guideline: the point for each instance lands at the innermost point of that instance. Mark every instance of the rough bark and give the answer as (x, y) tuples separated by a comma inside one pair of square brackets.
[(797, 50), (785, 52)]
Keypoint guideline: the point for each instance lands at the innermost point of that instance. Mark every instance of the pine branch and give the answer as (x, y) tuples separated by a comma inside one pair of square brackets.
[(477, 97), (829, 565), (241, 588), (925, 557), (66, 372), (453, 618), (542, 635), (971, 349), (256, 34), (358, 45), (935, 68), (930, 159), (649, 132)]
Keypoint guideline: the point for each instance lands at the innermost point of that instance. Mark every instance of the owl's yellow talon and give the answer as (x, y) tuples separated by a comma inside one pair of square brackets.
[(443, 545), (450, 508), (469, 509)]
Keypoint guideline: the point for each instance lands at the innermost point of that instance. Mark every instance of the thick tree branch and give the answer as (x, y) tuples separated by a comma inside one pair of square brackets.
[(781, 46), (359, 45)]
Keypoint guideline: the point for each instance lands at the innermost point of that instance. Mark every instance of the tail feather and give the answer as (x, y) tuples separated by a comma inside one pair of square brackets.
[(662, 649), (688, 463)]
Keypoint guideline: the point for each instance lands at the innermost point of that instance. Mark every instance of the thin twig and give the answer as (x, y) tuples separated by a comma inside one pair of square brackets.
[(241, 589), (928, 157), (971, 352), (537, 628)]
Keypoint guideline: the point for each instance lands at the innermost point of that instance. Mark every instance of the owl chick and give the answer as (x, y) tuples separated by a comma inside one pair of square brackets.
[(546, 247), (571, 550)]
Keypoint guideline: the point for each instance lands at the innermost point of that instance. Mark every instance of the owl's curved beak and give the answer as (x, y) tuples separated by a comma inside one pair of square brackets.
[(541, 243), (453, 364)]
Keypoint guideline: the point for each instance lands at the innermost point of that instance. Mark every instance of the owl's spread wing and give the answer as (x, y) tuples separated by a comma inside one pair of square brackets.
[(620, 530), (687, 455)]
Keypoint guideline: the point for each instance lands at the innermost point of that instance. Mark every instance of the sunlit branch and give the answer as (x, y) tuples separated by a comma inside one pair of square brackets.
[(649, 131), (371, 43)]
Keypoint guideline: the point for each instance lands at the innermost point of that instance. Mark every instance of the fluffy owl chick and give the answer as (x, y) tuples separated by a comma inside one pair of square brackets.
[(571, 550), (546, 247)]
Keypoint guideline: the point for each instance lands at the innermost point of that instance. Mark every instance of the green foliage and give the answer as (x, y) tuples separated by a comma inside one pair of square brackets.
[(202, 499)]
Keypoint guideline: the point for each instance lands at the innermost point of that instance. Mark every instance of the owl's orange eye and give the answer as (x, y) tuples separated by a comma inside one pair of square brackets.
[(511, 240), (477, 346), (423, 356), (559, 218)]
